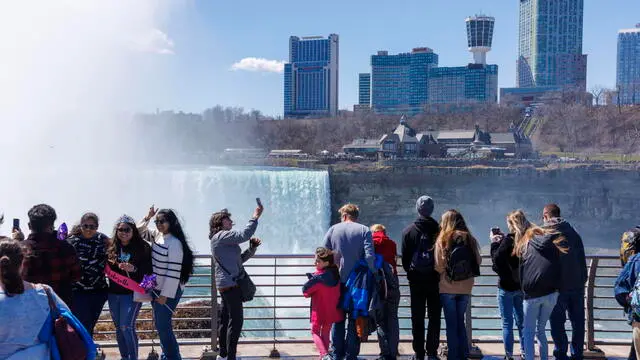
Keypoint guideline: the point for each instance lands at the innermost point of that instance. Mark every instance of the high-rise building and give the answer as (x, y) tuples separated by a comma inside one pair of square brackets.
[(364, 89), (311, 77), (474, 83), (550, 44), (480, 36), (628, 72)]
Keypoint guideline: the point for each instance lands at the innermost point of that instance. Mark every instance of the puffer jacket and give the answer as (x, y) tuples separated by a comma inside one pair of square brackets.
[(323, 288)]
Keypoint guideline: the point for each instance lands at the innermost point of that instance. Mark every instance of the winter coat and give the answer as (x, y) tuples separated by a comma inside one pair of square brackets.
[(411, 236), (323, 288), (387, 248), (574, 263), (506, 265), (540, 268), (141, 260), (625, 283)]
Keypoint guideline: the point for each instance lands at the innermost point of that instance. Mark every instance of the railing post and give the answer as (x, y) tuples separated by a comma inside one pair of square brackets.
[(211, 354), (474, 351), (590, 323), (274, 352)]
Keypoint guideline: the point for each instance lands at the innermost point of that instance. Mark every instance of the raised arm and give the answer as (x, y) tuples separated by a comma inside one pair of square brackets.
[(143, 225)]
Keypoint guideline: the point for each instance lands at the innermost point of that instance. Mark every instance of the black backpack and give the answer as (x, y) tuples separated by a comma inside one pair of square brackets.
[(423, 261), (462, 264)]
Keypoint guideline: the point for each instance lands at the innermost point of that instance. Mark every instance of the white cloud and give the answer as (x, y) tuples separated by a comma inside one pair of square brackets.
[(259, 64), (154, 41)]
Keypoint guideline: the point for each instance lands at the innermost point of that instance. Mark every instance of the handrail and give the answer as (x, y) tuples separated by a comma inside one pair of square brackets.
[(279, 312)]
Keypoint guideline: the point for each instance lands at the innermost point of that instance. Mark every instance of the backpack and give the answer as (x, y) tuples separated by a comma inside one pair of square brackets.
[(422, 261), (630, 240), (462, 264), (635, 299)]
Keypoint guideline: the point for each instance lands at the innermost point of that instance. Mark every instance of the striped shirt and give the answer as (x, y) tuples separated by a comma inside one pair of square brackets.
[(166, 256)]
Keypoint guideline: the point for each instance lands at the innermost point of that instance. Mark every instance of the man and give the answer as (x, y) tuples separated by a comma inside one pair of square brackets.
[(571, 294), (418, 241), (49, 260), (350, 242)]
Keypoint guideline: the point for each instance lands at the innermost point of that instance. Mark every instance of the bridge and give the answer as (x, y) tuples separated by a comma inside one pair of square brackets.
[(276, 322)]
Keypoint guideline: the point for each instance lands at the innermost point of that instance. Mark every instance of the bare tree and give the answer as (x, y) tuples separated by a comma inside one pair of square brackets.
[(597, 91)]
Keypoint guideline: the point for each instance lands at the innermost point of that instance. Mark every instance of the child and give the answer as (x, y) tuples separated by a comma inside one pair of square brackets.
[(385, 246), (323, 288)]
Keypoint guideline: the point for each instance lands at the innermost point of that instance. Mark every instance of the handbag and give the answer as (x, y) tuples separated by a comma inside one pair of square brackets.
[(70, 343), (246, 285)]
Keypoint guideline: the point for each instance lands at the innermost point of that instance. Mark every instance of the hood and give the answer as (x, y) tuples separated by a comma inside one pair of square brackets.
[(329, 276), (544, 242), (379, 237), (427, 225), (557, 224)]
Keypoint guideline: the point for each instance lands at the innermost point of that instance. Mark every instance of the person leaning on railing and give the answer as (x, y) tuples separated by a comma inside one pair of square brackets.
[(225, 248)]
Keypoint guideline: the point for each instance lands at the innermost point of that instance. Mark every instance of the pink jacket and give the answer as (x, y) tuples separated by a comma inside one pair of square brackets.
[(323, 288)]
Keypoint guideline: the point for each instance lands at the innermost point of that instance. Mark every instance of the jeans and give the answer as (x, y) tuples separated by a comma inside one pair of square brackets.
[(571, 302), (162, 316), (455, 308), (536, 314), (510, 304), (389, 329), (87, 306), (338, 340), (231, 320), (421, 295), (124, 312)]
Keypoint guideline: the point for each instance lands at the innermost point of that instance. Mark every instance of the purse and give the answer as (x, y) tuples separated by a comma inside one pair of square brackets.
[(246, 285), (70, 343)]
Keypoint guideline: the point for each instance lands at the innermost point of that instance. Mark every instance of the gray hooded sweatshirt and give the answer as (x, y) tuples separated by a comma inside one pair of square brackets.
[(225, 247)]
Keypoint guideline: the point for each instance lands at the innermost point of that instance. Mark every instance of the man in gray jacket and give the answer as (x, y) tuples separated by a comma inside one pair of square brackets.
[(350, 242), (225, 248)]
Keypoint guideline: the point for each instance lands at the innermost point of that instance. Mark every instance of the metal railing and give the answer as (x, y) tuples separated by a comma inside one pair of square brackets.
[(280, 314)]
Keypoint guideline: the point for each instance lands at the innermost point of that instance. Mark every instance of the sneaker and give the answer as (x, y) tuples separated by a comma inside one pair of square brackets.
[(221, 358), (508, 358)]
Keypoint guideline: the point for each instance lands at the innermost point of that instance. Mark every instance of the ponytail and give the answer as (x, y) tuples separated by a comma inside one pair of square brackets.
[(11, 257)]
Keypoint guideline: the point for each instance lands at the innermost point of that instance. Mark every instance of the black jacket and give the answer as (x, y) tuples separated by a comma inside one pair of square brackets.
[(574, 263), (141, 260), (505, 264), (540, 268), (410, 238)]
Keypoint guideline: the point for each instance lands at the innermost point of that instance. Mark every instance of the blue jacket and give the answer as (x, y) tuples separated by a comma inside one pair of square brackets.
[(625, 282), (360, 288)]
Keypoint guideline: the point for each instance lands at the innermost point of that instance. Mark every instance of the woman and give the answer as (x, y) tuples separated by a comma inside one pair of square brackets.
[(172, 261), (26, 307), (539, 252), (130, 256), (507, 265), (225, 247), (457, 259), (90, 293)]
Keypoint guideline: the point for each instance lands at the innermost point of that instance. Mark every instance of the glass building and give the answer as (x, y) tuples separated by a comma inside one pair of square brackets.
[(628, 69), (474, 83), (364, 89), (550, 44), (311, 77)]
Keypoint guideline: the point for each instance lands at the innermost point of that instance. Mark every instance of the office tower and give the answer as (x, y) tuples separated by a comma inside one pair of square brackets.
[(480, 36), (628, 69), (474, 83), (364, 89), (550, 44), (311, 77)]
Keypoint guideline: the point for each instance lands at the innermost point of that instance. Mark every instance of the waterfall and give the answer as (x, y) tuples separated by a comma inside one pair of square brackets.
[(297, 202)]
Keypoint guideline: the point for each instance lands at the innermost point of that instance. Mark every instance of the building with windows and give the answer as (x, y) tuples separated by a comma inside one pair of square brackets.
[(311, 77), (550, 44), (364, 89), (480, 36), (628, 69), (474, 83)]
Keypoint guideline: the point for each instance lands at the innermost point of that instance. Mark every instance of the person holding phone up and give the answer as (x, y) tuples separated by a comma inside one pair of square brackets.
[(225, 247)]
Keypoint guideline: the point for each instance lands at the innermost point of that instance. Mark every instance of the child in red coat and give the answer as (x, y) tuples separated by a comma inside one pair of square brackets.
[(323, 288)]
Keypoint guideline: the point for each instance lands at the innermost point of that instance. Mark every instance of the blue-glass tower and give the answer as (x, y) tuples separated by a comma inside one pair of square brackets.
[(364, 89), (628, 69)]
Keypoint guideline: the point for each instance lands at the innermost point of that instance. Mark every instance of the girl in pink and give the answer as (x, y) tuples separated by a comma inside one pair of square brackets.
[(323, 288)]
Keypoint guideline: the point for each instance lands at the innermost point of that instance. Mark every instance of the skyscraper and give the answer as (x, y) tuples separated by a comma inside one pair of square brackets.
[(311, 77), (364, 89), (628, 72), (550, 44)]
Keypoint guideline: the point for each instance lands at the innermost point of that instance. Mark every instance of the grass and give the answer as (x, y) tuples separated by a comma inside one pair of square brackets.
[(597, 157)]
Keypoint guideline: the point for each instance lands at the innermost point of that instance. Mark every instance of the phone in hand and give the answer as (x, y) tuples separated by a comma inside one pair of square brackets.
[(495, 231), (16, 224), (259, 202)]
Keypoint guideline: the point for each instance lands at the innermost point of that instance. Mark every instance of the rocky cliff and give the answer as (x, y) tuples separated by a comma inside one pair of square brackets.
[(600, 203)]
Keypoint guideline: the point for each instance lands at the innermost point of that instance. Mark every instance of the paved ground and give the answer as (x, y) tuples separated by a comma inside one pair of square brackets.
[(368, 350)]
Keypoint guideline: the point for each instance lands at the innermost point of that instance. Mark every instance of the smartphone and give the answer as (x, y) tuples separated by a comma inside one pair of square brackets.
[(258, 202), (495, 230), (16, 224)]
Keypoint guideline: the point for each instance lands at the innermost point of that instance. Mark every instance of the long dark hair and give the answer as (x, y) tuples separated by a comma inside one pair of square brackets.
[(11, 257), (175, 229), (76, 230), (136, 244)]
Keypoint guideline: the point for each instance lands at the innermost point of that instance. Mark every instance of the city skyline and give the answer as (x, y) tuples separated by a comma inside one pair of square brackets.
[(628, 72)]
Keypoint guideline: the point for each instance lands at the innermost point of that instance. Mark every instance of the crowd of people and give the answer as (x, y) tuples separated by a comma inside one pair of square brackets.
[(354, 290)]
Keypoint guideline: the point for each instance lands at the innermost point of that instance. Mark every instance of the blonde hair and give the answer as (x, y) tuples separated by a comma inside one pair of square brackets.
[(378, 227), (351, 210), (518, 225), (453, 227), (521, 246)]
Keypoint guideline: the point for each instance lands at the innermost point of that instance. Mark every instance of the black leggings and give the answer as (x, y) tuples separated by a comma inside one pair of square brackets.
[(231, 319)]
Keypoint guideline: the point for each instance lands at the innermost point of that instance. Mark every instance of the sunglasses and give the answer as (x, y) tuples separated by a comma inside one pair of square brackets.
[(160, 221), (124, 230), (89, 227)]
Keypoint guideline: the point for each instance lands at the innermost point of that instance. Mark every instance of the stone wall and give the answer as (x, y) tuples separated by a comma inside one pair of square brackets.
[(600, 203)]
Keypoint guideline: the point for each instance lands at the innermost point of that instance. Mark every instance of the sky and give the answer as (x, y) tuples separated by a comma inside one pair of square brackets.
[(206, 51)]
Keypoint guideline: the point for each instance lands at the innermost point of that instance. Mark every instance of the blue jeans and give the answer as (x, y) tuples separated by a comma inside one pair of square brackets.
[(571, 302), (124, 312), (510, 304), (338, 340), (87, 307), (536, 314), (455, 308), (389, 329), (162, 317)]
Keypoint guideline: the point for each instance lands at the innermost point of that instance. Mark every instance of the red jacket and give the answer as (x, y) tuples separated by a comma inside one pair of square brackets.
[(387, 248), (323, 288)]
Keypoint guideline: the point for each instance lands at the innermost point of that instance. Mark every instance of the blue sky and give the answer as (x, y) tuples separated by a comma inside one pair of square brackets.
[(208, 37)]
